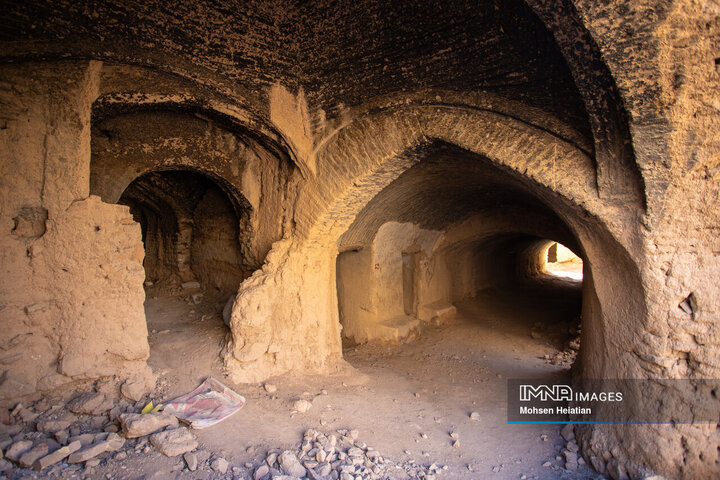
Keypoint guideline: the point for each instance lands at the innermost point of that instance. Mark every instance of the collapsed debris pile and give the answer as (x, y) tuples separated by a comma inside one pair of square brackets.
[(91, 427), (340, 456), (571, 345), (61, 440)]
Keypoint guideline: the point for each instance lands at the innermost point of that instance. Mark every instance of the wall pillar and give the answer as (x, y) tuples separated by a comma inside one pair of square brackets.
[(71, 282)]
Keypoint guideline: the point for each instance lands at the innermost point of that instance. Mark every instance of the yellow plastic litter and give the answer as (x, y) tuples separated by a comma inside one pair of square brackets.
[(150, 408)]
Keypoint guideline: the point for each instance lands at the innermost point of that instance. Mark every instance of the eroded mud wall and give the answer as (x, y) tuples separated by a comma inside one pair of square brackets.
[(383, 288), (216, 257), (134, 143), (72, 276), (667, 76), (612, 111)]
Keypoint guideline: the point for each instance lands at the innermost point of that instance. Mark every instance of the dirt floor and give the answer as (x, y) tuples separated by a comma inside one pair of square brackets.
[(405, 401)]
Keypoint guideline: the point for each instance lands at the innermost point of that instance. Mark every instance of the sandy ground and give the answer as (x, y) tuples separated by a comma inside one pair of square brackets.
[(572, 269), (404, 400)]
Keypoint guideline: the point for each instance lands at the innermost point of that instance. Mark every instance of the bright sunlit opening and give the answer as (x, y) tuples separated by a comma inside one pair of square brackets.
[(561, 262)]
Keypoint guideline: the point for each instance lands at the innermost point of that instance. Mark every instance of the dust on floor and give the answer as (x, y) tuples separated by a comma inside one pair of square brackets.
[(440, 399)]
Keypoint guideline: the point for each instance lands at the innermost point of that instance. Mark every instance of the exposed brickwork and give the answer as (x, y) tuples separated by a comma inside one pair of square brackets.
[(602, 116)]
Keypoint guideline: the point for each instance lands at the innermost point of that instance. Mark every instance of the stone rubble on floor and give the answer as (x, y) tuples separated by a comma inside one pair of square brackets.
[(567, 356), (81, 434), (94, 429), (571, 451), (336, 456)]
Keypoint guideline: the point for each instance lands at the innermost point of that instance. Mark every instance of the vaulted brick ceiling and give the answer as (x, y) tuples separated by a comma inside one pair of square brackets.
[(342, 52)]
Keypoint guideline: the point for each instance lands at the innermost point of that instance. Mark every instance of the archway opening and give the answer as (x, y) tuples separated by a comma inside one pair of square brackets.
[(443, 293), (191, 230), (451, 228), (192, 227), (561, 262)]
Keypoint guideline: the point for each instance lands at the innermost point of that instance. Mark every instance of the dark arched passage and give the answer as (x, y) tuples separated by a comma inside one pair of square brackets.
[(191, 229)]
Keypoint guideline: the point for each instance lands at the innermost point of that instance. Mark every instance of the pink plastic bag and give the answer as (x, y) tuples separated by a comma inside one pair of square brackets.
[(210, 403)]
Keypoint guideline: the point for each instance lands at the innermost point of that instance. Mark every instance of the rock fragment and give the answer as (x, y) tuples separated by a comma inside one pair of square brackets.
[(10, 429), (31, 456), (261, 472), (56, 456), (174, 442), (290, 464), (27, 415), (355, 452), (191, 461), (52, 426), (89, 404), (568, 432), (219, 465), (17, 449), (133, 389), (85, 439), (324, 469), (62, 436), (138, 425), (302, 406), (113, 443), (87, 453)]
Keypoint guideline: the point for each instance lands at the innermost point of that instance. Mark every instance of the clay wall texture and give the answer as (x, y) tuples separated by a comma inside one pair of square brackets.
[(594, 124), (69, 311)]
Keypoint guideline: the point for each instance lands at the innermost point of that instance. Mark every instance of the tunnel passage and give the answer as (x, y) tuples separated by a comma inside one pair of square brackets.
[(557, 260), (191, 230), (455, 235)]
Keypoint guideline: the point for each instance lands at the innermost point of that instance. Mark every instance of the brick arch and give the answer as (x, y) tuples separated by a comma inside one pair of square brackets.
[(238, 200), (233, 118), (369, 153), (618, 172)]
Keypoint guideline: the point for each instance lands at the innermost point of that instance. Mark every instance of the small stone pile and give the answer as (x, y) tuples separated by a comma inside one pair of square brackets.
[(567, 356), (89, 428), (571, 451), (338, 456)]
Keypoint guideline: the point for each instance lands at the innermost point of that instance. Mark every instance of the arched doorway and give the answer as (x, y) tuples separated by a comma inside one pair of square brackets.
[(191, 231)]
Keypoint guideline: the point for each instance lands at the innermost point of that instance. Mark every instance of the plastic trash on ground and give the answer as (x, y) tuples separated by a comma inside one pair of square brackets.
[(151, 408), (210, 403)]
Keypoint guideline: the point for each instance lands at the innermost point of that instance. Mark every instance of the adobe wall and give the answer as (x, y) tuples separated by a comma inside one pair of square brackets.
[(71, 288), (380, 298), (666, 71), (623, 149), (129, 144)]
